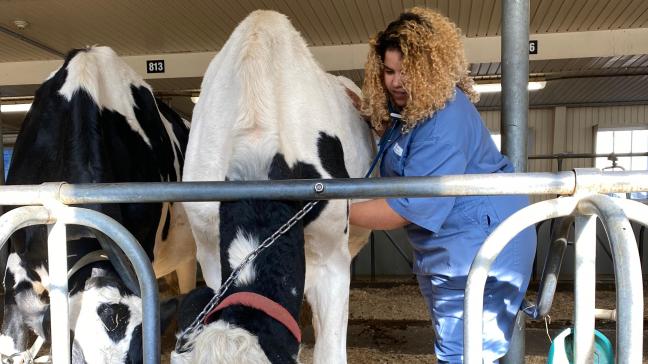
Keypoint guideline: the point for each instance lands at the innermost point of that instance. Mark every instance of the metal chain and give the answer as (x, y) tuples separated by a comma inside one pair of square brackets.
[(28, 356), (197, 323)]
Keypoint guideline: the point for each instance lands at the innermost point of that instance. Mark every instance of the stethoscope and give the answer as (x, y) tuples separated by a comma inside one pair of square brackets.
[(385, 140)]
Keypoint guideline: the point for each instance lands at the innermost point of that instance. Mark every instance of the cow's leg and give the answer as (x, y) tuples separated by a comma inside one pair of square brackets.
[(358, 238), (204, 220), (14, 327), (175, 249), (328, 295), (182, 238), (327, 281), (208, 255)]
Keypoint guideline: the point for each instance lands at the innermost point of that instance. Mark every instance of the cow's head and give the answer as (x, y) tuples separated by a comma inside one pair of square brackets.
[(217, 342), (108, 326)]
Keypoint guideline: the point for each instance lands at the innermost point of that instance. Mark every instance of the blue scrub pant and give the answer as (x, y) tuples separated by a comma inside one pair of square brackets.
[(503, 294)]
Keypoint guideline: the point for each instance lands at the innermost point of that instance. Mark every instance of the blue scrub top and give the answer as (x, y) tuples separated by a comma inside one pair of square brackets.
[(446, 232)]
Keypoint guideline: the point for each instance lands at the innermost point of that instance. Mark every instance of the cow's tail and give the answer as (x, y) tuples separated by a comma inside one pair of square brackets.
[(221, 342)]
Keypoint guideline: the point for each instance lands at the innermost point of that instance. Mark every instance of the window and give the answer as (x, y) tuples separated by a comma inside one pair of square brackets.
[(497, 138), (7, 160), (623, 141)]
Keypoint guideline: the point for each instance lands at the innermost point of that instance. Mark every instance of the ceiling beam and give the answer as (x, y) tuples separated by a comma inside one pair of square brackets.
[(603, 43), (31, 42), (606, 43)]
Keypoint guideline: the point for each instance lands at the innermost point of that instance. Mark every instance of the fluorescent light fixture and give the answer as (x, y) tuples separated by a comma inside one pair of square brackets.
[(483, 88), (194, 99), (536, 85), (15, 107)]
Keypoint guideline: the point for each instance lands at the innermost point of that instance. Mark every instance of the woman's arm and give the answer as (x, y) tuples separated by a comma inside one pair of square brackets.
[(375, 215)]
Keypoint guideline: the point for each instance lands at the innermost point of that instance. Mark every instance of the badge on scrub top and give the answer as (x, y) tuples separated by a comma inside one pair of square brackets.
[(398, 150)]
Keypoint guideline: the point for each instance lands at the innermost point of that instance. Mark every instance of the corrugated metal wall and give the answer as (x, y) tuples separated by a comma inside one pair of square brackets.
[(577, 131)]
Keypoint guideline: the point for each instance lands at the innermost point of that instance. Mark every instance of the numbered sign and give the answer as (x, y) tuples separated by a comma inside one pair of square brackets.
[(156, 66), (533, 47)]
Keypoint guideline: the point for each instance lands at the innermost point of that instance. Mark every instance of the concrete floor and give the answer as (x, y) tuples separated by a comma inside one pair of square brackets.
[(389, 324), (375, 342)]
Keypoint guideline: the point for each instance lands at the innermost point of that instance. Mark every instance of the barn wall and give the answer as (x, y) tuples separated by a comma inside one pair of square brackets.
[(569, 130), (551, 131)]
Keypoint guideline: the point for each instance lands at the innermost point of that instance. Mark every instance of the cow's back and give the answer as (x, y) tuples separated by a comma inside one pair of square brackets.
[(265, 86), (95, 120), (264, 94)]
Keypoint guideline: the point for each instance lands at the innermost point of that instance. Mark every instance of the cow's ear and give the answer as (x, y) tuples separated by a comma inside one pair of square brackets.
[(168, 312)]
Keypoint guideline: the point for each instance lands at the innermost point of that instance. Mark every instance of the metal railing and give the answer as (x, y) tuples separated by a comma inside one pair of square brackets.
[(53, 195), (585, 206), (560, 157)]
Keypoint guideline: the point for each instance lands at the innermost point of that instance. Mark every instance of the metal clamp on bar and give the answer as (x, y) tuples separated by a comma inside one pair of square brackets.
[(588, 181), (50, 194)]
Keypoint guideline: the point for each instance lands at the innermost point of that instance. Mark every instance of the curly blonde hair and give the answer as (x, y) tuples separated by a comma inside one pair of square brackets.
[(433, 63)]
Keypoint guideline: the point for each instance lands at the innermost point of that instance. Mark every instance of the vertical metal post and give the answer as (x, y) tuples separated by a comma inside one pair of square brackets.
[(627, 270), (640, 244), (2, 180), (4, 250), (517, 347), (584, 288), (372, 246), (514, 122), (515, 78), (58, 292)]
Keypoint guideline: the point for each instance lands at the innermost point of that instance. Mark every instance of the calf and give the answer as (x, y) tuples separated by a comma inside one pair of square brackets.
[(96, 121), (264, 94)]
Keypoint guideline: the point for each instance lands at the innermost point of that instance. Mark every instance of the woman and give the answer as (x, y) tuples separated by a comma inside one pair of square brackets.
[(416, 68)]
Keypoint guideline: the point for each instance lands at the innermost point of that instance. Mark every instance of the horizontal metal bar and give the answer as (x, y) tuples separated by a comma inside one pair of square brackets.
[(585, 155), (603, 314), (562, 183), (493, 184)]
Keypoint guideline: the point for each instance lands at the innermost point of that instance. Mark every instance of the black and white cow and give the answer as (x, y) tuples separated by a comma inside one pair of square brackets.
[(95, 120), (256, 319), (264, 95)]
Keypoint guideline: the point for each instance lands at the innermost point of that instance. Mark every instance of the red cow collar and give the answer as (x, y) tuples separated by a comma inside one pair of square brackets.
[(261, 303)]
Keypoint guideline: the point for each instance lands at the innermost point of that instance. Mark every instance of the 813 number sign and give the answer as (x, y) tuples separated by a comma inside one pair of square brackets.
[(156, 66)]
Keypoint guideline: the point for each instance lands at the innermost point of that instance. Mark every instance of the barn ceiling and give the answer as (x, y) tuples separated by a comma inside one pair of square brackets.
[(169, 26), (135, 28)]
